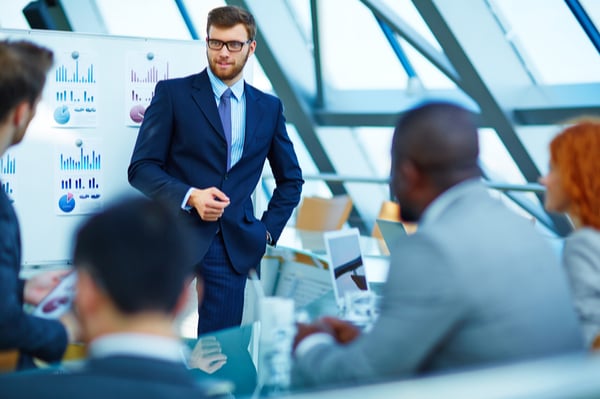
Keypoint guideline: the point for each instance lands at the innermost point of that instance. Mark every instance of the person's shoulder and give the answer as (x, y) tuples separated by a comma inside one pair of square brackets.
[(586, 237), (257, 93)]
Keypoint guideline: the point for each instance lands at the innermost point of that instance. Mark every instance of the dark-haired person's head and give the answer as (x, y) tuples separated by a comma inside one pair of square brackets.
[(435, 146), (134, 258), (23, 69)]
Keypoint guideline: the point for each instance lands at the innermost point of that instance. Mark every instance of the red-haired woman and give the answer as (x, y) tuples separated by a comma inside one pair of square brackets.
[(573, 187)]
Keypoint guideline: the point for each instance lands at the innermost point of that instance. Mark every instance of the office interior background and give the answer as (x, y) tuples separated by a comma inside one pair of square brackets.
[(345, 70)]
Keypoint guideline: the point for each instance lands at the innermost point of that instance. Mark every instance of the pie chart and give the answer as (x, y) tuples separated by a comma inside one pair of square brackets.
[(62, 115), (66, 203), (137, 113)]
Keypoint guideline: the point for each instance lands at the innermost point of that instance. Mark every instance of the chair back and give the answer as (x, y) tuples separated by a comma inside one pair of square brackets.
[(323, 214)]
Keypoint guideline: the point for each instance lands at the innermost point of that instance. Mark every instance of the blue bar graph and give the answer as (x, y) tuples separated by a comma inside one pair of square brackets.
[(8, 165), (64, 95), (63, 75), (7, 188), (85, 162)]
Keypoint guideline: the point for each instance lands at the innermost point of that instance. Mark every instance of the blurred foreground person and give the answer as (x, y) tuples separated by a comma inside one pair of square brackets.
[(133, 265), (23, 69)]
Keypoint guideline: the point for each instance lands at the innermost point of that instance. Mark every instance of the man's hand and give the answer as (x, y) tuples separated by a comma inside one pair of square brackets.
[(304, 330), (207, 355), (40, 285), (343, 332), (210, 203)]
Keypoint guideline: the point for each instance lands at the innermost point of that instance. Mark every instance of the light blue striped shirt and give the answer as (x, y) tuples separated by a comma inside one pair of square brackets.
[(238, 120), (238, 113)]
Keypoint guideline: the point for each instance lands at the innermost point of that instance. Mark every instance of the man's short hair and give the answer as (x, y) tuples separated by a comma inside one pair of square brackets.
[(23, 69), (138, 253), (229, 16)]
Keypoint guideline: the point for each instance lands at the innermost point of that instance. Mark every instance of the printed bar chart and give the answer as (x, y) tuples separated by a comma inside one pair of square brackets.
[(8, 165), (85, 162)]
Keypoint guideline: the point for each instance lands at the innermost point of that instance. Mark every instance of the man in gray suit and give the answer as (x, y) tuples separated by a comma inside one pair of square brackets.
[(475, 285)]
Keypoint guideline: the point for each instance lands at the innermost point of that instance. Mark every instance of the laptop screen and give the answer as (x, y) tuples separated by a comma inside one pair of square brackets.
[(346, 265)]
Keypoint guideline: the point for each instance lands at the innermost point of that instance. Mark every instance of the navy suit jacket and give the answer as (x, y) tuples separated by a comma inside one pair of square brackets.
[(181, 144), (109, 377), (32, 336)]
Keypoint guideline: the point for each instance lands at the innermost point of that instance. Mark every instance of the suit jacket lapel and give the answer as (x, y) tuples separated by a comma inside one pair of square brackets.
[(200, 88)]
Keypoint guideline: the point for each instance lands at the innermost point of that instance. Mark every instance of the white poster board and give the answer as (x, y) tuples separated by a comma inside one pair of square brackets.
[(74, 157)]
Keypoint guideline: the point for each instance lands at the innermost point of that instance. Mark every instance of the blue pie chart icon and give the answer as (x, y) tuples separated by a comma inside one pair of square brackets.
[(62, 114), (66, 203)]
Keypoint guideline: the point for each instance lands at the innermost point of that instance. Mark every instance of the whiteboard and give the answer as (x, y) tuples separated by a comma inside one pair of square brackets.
[(74, 158)]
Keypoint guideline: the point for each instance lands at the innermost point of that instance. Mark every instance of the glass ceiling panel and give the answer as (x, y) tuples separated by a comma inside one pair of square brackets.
[(300, 9), (536, 140), (138, 18), (198, 11), (550, 40), (409, 14), (11, 14), (354, 51), (592, 8), (495, 160), (429, 75)]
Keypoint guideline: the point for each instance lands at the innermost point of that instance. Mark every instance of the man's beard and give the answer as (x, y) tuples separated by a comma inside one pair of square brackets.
[(237, 69)]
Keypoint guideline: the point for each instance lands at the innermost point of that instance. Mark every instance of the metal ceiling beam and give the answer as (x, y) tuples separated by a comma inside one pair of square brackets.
[(476, 60)]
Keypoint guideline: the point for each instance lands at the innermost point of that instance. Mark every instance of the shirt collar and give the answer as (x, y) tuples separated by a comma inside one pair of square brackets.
[(219, 87), (435, 210), (142, 345)]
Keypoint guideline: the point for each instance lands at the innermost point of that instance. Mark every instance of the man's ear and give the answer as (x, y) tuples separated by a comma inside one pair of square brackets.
[(411, 174), (21, 115), (88, 294), (184, 297)]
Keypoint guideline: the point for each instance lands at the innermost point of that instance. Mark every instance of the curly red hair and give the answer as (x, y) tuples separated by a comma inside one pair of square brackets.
[(576, 153)]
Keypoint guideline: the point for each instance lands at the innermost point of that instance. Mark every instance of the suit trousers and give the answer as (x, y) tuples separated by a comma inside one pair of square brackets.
[(223, 300)]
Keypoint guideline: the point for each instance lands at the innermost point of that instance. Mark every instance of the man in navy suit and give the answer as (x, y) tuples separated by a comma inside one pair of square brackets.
[(208, 167)]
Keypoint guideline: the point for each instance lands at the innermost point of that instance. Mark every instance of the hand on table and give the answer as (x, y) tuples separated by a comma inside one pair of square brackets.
[(207, 355), (342, 331)]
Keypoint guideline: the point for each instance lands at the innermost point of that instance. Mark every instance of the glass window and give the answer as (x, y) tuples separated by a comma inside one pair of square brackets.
[(550, 40), (161, 19), (592, 8), (354, 51), (495, 160), (11, 14), (198, 11)]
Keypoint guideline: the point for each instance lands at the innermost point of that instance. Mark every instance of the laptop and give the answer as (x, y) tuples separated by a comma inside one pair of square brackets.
[(391, 231), (346, 267)]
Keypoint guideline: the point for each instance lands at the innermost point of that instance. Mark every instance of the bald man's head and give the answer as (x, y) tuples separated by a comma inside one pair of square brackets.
[(439, 142)]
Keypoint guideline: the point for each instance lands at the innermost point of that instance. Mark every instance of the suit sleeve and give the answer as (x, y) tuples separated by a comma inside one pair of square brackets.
[(34, 336), (146, 171), (288, 179), (420, 307)]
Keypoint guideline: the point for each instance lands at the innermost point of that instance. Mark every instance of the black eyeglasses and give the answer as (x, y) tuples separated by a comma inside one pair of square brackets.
[(234, 46)]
